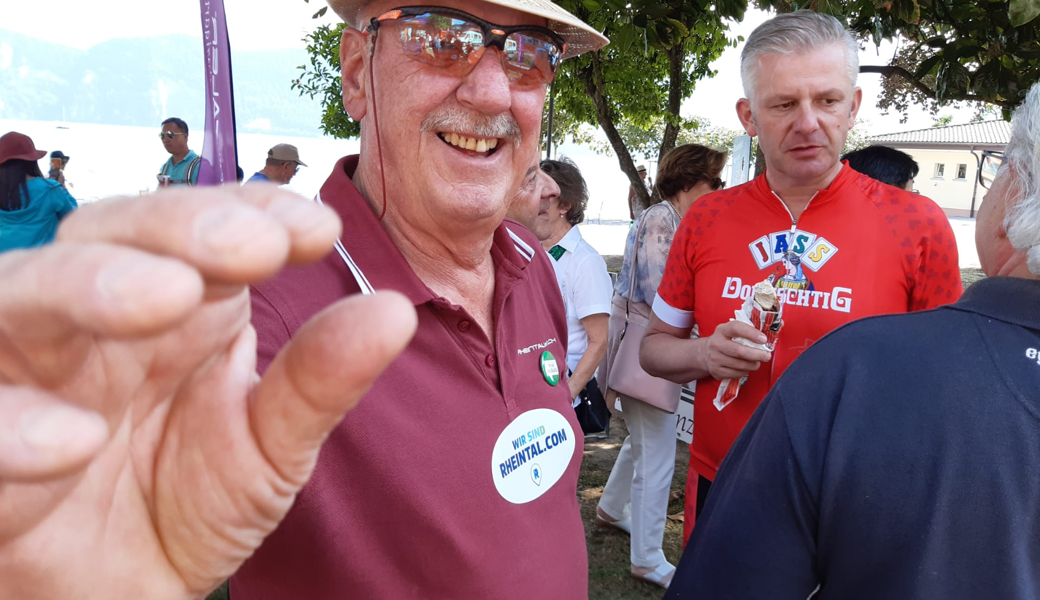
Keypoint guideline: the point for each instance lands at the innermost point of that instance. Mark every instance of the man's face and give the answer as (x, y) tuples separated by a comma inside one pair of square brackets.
[(286, 171), (642, 174), (802, 110), (423, 112), (178, 144), (530, 206)]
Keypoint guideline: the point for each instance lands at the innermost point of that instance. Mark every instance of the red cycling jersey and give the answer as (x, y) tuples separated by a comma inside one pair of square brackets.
[(859, 248)]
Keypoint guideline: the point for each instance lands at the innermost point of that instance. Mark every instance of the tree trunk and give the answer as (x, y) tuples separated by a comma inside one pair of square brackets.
[(594, 86), (760, 161), (675, 94)]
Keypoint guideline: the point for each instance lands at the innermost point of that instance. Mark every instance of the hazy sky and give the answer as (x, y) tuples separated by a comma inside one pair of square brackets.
[(260, 24), (252, 24)]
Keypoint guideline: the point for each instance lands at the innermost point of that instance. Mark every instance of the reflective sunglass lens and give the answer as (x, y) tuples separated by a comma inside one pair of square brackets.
[(534, 58)]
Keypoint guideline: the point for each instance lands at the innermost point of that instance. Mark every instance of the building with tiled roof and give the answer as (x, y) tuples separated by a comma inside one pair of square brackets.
[(950, 158)]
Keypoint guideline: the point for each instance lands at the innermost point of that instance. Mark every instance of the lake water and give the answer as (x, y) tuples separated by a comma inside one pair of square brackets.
[(109, 160)]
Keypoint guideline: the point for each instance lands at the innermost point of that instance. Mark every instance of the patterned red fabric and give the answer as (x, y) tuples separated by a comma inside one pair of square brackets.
[(860, 248)]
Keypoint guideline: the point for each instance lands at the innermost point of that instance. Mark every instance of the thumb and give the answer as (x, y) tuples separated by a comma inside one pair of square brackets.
[(331, 362)]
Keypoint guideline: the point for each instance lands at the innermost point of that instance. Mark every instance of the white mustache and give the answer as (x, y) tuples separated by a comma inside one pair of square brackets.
[(455, 119)]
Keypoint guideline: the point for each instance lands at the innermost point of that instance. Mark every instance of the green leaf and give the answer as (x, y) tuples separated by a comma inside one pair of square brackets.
[(1023, 11), (926, 66), (680, 27), (591, 4), (321, 12)]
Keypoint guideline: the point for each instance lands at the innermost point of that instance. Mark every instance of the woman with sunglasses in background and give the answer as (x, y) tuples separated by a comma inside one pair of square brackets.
[(635, 499), (30, 205)]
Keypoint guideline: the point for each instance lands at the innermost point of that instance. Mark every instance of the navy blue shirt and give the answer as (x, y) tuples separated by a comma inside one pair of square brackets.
[(898, 457)]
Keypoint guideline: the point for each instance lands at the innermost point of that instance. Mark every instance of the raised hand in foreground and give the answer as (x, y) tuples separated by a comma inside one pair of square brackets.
[(140, 454)]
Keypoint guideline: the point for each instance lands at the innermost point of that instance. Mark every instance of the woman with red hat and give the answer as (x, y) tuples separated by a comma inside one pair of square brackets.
[(30, 205)]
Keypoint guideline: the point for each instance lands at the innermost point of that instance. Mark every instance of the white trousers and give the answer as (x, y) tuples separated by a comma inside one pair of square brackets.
[(641, 480)]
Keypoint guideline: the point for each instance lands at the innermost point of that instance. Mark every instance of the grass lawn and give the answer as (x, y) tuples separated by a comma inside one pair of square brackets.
[(609, 575)]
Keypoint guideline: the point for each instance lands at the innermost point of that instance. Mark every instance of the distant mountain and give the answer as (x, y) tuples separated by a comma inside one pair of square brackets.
[(141, 81)]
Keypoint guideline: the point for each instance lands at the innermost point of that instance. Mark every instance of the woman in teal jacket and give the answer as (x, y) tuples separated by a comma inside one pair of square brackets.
[(30, 205)]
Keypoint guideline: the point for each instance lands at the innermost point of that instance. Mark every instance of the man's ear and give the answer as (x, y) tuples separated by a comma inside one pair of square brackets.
[(745, 116), (857, 100), (353, 48)]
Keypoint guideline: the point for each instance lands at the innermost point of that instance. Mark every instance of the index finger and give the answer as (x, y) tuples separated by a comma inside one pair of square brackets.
[(229, 234), (735, 329)]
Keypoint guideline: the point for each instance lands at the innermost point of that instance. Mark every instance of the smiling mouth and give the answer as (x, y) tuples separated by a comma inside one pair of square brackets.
[(474, 146)]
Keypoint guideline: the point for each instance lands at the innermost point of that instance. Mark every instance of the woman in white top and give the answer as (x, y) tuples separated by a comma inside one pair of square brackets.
[(581, 273), (635, 498)]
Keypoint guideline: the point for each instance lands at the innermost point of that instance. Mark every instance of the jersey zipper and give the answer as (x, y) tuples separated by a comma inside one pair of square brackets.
[(794, 228)]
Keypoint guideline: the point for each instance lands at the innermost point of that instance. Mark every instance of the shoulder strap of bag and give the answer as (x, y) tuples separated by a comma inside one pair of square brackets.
[(632, 271), (192, 167)]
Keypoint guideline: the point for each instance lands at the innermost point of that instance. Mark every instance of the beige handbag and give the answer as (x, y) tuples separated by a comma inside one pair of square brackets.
[(624, 373)]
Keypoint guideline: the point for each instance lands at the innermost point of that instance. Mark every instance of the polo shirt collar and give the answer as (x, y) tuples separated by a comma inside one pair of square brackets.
[(189, 156), (1009, 299), (374, 253), (570, 241)]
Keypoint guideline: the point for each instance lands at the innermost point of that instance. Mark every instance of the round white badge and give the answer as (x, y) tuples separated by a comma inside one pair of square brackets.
[(531, 455)]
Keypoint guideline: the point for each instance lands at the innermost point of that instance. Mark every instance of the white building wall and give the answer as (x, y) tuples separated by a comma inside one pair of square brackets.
[(951, 193)]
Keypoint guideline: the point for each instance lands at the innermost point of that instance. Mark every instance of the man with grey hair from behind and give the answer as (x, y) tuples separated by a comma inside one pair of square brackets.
[(861, 248), (898, 456)]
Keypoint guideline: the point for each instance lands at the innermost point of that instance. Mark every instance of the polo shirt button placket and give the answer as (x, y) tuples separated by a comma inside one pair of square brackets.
[(464, 326), (490, 360)]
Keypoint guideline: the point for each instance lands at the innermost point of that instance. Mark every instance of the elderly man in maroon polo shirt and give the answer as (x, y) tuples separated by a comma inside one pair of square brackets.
[(140, 456), (458, 470)]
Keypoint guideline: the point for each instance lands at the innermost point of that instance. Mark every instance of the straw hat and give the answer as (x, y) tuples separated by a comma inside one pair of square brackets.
[(578, 35)]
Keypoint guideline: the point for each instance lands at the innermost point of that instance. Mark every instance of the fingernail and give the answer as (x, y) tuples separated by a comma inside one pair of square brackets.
[(298, 214), (230, 226), (61, 427)]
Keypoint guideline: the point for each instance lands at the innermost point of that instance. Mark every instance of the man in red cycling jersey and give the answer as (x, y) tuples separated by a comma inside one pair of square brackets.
[(837, 245)]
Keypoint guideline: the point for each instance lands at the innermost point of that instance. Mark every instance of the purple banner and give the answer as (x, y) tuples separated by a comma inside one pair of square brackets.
[(219, 154)]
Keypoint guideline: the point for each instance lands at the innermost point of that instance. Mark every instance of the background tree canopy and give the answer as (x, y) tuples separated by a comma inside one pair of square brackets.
[(985, 51)]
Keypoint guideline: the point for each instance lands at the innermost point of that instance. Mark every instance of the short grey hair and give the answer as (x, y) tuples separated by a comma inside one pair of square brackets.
[(1022, 163), (795, 33)]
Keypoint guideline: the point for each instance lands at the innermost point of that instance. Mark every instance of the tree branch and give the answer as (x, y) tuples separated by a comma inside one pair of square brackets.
[(907, 76)]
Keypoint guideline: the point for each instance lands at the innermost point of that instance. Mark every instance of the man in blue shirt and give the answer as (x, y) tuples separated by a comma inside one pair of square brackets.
[(898, 456), (283, 161), (182, 168)]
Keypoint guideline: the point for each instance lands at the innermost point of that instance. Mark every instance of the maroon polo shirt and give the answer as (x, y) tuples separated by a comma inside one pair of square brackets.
[(456, 475)]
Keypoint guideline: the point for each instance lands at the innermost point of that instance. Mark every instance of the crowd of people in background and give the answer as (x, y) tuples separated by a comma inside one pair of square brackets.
[(264, 389), (32, 207)]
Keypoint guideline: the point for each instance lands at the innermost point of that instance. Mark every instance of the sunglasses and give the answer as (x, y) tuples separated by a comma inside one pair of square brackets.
[(169, 134), (453, 40), (716, 183)]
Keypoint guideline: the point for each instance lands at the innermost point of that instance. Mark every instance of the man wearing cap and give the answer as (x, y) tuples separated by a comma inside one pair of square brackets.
[(146, 457), (182, 168), (283, 161), (635, 208), (57, 172)]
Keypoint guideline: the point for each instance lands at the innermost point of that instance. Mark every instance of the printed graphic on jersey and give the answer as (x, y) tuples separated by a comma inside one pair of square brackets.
[(792, 251)]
